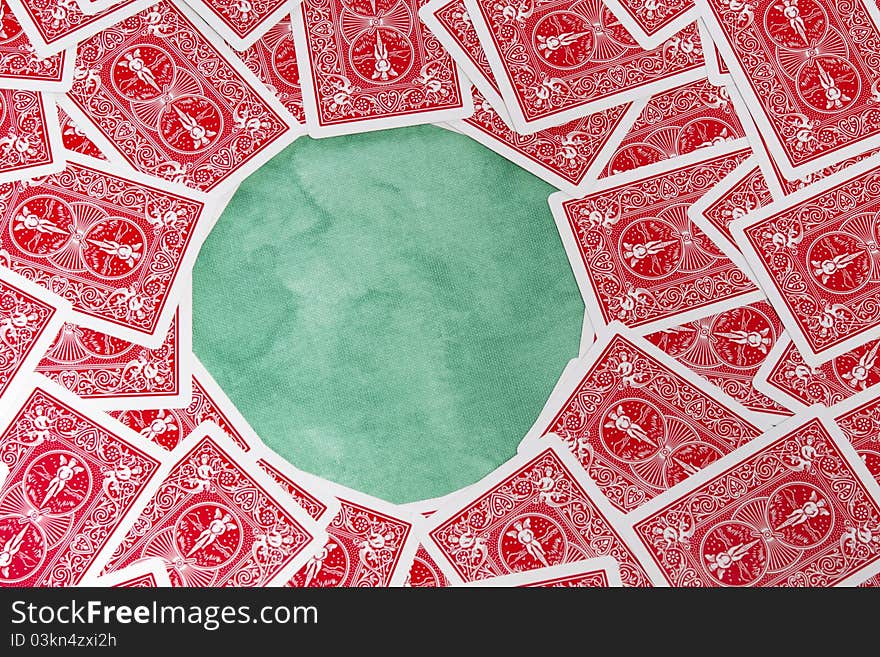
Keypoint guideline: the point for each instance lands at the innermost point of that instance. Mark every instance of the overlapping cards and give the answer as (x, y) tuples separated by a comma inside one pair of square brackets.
[(718, 174)]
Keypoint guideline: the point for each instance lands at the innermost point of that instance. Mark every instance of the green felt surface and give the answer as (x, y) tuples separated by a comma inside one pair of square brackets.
[(388, 310)]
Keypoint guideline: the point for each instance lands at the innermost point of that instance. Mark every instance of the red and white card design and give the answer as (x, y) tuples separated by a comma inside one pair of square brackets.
[(560, 60), (216, 519), (638, 422), (74, 477), (21, 68), (651, 22), (29, 320), (30, 138), (118, 245), (636, 255), (241, 23), (175, 102), (451, 23), (570, 156), (539, 509), (424, 571), (789, 380), (815, 255), (796, 507), (727, 349), (598, 572), (379, 68), (272, 59), (716, 68), (118, 374), (56, 25), (804, 69), (859, 420), (149, 573), (369, 543), (676, 122), (75, 140)]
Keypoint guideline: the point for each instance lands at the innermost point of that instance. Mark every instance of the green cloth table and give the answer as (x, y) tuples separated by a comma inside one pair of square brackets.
[(389, 310)]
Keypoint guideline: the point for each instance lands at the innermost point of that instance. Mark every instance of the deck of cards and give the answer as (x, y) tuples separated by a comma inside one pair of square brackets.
[(718, 174)]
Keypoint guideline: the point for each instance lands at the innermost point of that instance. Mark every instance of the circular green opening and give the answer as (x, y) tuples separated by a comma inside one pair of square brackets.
[(389, 310)]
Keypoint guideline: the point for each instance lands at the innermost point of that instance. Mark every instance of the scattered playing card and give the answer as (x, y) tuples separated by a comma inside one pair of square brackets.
[(716, 68), (804, 69), (602, 572), (651, 22), (859, 420), (149, 573), (539, 509), (785, 376), (74, 476), (29, 320), (21, 68), (557, 61), (815, 256), (639, 422), (636, 255), (676, 122), (166, 94), (796, 507), (30, 138), (384, 68), (569, 156), (118, 374), (118, 245), (216, 519), (727, 349), (241, 23)]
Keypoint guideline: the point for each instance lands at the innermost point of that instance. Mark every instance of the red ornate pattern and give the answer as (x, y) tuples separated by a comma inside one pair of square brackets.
[(455, 19), (821, 256), (747, 194), (644, 259), (213, 524), (372, 60), (70, 482), (171, 103), (24, 132), (95, 365), (727, 349), (111, 246), (596, 59), (538, 516), (75, 139), (17, 58), (653, 15), (677, 122), (861, 426), (146, 581), (23, 321), (590, 579), (314, 507), (424, 572), (55, 20), (792, 514), (242, 17), (363, 549)]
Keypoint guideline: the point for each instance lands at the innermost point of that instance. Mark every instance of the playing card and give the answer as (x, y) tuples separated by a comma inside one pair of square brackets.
[(563, 59), (716, 69), (638, 422), (651, 22), (29, 320), (242, 22), (676, 122), (796, 507), (450, 22), (568, 156), (55, 25), (600, 572), (75, 140), (75, 474), (805, 70), (539, 509), (216, 519), (118, 374), (118, 245), (149, 573), (30, 139), (21, 68), (370, 543), (785, 377), (859, 420), (272, 59), (727, 349), (816, 258), (635, 254), (382, 68), (167, 95)]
